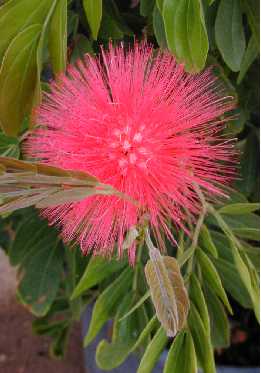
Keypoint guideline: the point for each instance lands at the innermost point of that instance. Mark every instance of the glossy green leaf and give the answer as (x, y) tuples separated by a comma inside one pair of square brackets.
[(110, 355), (202, 341), (181, 356), (219, 324), (93, 11), (82, 46), (186, 32), (185, 256), (40, 54), (151, 326), (31, 12), (153, 351), (137, 305), (58, 345), (197, 297), (18, 77), (248, 276), (236, 197), (160, 4), (222, 245), (36, 251), (107, 302), (252, 9), (212, 278), (9, 146), (146, 7), (43, 326), (239, 208), (245, 226), (229, 32), (249, 57), (72, 23), (253, 253), (28, 233), (232, 282), (58, 37), (225, 251), (158, 26), (97, 270), (206, 241), (249, 165)]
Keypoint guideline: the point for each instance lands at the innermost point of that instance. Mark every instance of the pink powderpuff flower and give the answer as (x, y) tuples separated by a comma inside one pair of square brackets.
[(137, 121)]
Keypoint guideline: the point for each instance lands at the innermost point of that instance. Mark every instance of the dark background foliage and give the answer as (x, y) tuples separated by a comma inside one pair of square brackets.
[(38, 39)]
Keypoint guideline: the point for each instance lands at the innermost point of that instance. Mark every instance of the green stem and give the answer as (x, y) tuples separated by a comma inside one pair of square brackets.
[(137, 267), (199, 224)]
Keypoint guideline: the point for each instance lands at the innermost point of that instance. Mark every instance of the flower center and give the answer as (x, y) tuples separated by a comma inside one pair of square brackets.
[(127, 148)]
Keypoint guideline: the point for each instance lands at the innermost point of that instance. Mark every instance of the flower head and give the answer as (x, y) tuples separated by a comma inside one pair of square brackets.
[(139, 122)]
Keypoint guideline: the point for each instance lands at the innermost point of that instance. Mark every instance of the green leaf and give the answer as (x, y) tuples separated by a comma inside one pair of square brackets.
[(58, 345), (186, 32), (16, 15), (229, 32), (249, 165), (206, 241), (158, 26), (43, 326), (232, 282), (149, 328), (39, 256), (125, 333), (160, 4), (181, 356), (82, 46), (234, 127), (72, 23), (28, 234), (245, 226), (225, 251), (153, 351), (252, 9), (248, 275), (249, 57), (93, 11), (97, 270), (18, 77), (202, 341), (137, 305), (253, 253), (212, 278), (239, 208), (219, 324), (223, 246), (146, 7), (197, 296), (9, 146), (107, 303), (40, 52), (236, 197), (58, 37), (185, 256)]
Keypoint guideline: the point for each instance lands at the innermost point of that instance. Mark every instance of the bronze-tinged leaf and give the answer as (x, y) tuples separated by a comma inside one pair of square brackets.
[(24, 184), (12, 164), (168, 291), (66, 196)]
